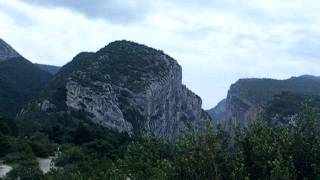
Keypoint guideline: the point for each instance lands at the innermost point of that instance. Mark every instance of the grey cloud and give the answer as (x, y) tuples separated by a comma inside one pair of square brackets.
[(20, 18), (251, 11), (116, 11)]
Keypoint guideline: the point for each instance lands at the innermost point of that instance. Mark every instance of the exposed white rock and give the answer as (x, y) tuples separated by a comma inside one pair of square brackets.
[(101, 104), (45, 105), (4, 170), (46, 164)]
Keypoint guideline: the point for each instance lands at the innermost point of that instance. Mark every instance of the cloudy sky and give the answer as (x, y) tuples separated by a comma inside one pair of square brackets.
[(215, 41)]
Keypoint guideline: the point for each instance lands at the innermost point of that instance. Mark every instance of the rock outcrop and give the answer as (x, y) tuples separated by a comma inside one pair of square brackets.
[(247, 98), (130, 88), (240, 111)]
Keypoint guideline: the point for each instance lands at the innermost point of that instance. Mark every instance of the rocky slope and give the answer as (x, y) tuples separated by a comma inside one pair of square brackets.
[(286, 109), (218, 112), (6, 51), (127, 87), (20, 80), (247, 97)]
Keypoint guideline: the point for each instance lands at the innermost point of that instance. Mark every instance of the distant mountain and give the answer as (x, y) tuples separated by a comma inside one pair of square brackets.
[(20, 80), (48, 68), (218, 112), (248, 97), (6, 51), (124, 86)]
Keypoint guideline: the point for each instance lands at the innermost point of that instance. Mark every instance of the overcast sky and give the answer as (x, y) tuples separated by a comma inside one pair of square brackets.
[(215, 41)]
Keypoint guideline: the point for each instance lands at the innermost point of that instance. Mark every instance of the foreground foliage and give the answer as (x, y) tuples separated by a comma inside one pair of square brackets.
[(259, 152)]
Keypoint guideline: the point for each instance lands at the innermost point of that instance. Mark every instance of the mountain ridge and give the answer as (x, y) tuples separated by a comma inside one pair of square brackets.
[(48, 68), (128, 87), (6, 51), (247, 97), (20, 80)]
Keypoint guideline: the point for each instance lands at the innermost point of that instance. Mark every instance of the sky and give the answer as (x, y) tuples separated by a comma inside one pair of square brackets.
[(216, 42)]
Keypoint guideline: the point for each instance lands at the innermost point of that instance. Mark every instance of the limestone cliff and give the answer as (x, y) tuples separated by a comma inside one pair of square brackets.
[(247, 98), (128, 87), (218, 113)]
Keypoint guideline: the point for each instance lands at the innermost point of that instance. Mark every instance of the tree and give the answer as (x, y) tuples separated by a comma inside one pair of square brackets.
[(203, 156), (306, 147), (146, 158)]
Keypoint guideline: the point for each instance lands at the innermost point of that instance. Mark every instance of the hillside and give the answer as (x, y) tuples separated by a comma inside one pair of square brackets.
[(247, 97), (48, 68), (20, 80), (6, 51), (286, 109)]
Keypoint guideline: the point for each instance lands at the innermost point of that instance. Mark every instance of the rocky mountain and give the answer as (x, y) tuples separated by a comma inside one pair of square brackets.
[(48, 68), (124, 86), (218, 112), (247, 97), (6, 51), (20, 80)]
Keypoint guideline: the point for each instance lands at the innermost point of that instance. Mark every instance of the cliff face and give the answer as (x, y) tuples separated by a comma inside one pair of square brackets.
[(247, 98), (128, 87), (240, 111), (218, 113)]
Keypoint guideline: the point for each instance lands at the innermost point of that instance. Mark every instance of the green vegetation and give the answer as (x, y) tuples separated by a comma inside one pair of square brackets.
[(258, 152), (260, 91), (48, 68), (285, 108), (20, 82)]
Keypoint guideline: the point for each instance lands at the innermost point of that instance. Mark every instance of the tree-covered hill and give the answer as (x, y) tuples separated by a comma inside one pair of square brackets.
[(48, 68), (287, 108), (20, 82), (260, 91), (247, 98)]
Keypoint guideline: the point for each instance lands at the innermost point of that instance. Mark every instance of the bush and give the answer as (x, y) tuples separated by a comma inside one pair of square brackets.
[(26, 173), (8, 144), (41, 146), (70, 155)]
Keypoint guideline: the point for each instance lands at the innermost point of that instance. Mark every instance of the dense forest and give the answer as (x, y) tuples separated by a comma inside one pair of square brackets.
[(258, 152)]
